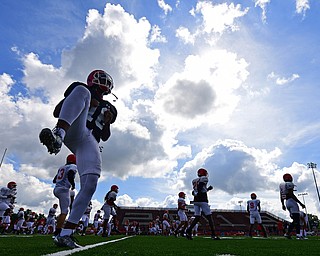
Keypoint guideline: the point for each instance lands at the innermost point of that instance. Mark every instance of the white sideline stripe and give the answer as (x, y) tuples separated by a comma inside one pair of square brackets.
[(69, 252)]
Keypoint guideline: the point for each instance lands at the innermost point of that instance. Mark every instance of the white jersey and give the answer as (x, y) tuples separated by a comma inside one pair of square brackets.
[(20, 215), (52, 212), (110, 197), (253, 205), (284, 188), (5, 192), (88, 210), (181, 204), (62, 175), (195, 183)]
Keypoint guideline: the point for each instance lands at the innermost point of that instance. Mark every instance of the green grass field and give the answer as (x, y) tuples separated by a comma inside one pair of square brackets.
[(159, 245)]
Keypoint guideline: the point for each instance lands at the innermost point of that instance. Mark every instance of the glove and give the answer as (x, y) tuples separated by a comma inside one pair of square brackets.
[(210, 188)]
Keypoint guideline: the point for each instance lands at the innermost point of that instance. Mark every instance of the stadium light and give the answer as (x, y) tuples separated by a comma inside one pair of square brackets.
[(3, 157), (240, 202), (305, 194), (314, 166)]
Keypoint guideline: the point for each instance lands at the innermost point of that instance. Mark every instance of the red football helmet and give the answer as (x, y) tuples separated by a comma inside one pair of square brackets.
[(182, 195), (202, 172), (101, 82), (287, 177), (253, 196), (71, 159), (11, 185), (114, 188)]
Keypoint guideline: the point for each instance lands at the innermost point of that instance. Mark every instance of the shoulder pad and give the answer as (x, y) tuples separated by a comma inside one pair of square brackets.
[(71, 87), (203, 179)]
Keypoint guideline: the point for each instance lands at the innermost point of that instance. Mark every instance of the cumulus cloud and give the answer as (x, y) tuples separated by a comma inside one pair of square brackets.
[(164, 6), (205, 91), (282, 80), (302, 6), (218, 18), (263, 5)]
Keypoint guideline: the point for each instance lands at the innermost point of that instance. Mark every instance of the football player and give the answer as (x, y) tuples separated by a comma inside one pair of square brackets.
[(303, 224), (201, 204), (109, 209), (97, 220), (51, 220), (253, 208), (290, 202), (6, 221), (165, 223), (20, 222), (182, 215), (8, 195), (82, 103), (64, 181), (85, 218)]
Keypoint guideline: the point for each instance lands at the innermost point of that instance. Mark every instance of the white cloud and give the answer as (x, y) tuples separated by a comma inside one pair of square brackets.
[(220, 17), (164, 6), (156, 35), (263, 5), (283, 80), (302, 6), (205, 91), (185, 35)]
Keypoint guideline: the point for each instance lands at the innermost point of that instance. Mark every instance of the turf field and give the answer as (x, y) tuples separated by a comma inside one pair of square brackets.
[(159, 245)]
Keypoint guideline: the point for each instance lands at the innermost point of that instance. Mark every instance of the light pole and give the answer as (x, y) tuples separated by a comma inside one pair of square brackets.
[(305, 194), (240, 202), (3, 156), (314, 166)]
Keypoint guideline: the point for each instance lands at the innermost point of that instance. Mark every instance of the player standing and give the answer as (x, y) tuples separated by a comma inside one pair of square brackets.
[(290, 202), (64, 180), (253, 208), (182, 215), (109, 209), (201, 203), (83, 119)]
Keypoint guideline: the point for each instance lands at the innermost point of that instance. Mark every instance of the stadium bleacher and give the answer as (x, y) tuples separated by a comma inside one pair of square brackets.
[(227, 222)]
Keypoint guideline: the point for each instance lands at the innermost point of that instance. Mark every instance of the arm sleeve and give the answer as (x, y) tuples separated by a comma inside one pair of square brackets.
[(55, 179), (71, 176)]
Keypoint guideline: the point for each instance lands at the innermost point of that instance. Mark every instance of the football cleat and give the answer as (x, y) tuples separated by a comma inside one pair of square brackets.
[(213, 237), (66, 241), (287, 236), (188, 235), (51, 139)]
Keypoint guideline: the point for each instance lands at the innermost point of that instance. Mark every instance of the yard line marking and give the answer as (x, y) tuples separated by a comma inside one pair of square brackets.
[(69, 252)]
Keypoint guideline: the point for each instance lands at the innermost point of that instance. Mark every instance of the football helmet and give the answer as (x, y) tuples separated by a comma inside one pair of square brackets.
[(182, 195), (71, 159), (202, 172), (253, 196), (287, 177), (12, 185), (114, 188), (100, 83)]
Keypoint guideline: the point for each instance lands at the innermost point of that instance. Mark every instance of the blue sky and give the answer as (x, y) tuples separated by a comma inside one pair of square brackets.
[(231, 86)]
